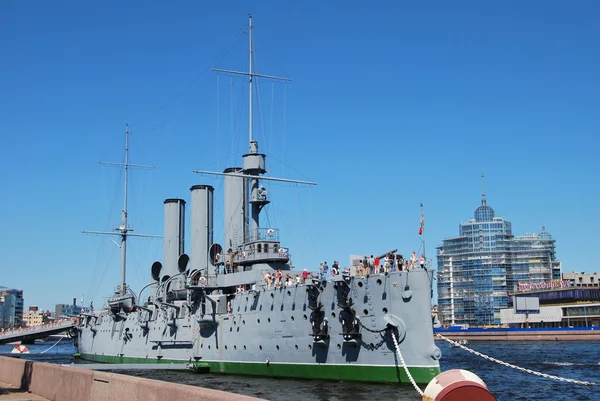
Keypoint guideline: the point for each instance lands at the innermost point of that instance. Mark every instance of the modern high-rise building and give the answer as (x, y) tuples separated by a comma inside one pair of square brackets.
[(478, 268), (11, 307)]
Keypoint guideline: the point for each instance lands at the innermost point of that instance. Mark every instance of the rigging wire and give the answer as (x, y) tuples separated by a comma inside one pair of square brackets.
[(114, 190), (270, 146), (217, 59), (231, 111), (284, 126), (289, 167), (262, 124), (273, 57), (218, 117), (306, 220)]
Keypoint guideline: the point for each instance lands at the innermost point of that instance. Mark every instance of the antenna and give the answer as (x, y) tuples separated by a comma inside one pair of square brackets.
[(482, 190), (123, 230)]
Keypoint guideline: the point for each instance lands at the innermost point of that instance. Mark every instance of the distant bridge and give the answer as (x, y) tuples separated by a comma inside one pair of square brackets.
[(34, 332)]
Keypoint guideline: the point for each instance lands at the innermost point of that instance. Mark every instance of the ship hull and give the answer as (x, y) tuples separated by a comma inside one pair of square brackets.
[(354, 372), (269, 332)]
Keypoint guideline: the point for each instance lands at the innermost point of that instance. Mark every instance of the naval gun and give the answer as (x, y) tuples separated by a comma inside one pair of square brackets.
[(387, 253)]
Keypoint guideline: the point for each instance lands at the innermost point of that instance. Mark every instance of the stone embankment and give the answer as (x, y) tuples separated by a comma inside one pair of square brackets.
[(532, 335), (28, 380)]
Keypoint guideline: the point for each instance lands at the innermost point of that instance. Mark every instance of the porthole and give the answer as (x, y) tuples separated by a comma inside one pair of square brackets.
[(244, 348), (258, 321), (260, 347), (289, 294), (339, 346), (277, 347), (296, 347), (309, 346), (385, 310), (209, 347), (366, 312), (269, 319), (360, 284), (243, 322), (292, 318), (225, 347), (333, 315), (235, 347), (379, 282), (305, 317)]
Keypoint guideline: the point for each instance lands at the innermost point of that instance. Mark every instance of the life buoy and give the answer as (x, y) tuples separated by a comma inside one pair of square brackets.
[(281, 250), (202, 280), (334, 271), (270, 232), (244, 255)]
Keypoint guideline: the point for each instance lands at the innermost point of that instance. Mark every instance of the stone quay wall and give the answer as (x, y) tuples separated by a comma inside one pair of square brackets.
[(64, 383)]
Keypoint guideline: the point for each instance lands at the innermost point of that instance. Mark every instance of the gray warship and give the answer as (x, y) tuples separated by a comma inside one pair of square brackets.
[(220, 307)]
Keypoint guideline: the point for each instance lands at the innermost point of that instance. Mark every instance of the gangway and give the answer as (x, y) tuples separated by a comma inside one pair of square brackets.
[(25, 334)]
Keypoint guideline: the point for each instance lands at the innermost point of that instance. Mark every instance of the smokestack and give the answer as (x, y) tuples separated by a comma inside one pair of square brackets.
[(173, 235), (235, 209), (201, 228)]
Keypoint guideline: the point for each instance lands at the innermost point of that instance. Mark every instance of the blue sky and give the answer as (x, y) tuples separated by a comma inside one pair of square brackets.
[(391, 104)]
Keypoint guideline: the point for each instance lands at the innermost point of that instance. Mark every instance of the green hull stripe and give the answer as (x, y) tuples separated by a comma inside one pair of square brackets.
[(363, 373)]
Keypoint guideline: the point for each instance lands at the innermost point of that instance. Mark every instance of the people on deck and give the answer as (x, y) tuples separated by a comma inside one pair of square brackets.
[(335, 266)]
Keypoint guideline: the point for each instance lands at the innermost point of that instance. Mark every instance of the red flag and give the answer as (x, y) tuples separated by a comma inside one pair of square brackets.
[(422, 223)]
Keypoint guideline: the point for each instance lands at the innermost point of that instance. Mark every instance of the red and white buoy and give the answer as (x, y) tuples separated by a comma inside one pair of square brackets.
[(20, 349), (457, 385)]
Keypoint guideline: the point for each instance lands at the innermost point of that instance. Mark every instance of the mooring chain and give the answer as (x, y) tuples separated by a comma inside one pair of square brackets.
[(368, 329), (533, 372), (404, 364)]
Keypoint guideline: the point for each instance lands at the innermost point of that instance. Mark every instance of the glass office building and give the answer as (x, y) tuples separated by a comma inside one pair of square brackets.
[(11, 307), (478, 268)]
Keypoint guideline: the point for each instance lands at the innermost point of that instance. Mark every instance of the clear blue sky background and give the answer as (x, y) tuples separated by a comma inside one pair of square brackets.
[(390, 105)]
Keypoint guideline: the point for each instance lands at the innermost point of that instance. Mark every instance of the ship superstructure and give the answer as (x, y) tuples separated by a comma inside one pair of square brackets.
[(226, 306)]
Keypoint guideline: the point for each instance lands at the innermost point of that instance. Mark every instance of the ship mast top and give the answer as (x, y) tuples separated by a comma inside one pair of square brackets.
[(251, 74), (253, 161), (250, 77), (123, 230)]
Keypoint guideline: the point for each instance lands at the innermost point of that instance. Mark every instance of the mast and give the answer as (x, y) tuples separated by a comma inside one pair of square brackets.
[(123, 227), (123, 230), (423, 231), (253, 161), (250, 77), (252, 184)]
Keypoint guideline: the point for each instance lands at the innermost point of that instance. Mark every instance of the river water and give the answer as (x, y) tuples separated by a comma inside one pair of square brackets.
[(574, 360)]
